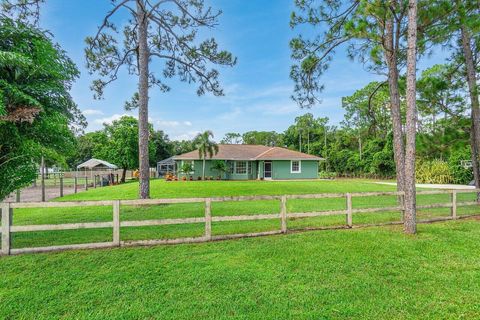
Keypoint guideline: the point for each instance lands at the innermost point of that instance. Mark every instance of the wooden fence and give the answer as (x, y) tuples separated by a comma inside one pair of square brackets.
[(8, 208)]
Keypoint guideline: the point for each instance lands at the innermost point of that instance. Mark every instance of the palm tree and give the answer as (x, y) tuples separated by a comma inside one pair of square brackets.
[(205, 147)]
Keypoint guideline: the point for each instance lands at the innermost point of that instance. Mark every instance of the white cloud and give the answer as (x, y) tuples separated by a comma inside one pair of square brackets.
[(186, 136), (110, 119), (92, 112), (172, 123)]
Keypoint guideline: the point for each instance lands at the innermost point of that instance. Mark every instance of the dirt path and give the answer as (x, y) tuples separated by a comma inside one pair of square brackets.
[(33, 194)]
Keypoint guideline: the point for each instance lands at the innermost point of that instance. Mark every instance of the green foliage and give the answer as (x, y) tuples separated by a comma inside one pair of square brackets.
[(309, 132), (122, 146), (163, 146), (38, 115), (266, 138), (460, 174), (205, 146), (434, 171), (122, 143), (187, 167), (327, 175), (88, 146), (232, 138), (219, 166), (183, 146)]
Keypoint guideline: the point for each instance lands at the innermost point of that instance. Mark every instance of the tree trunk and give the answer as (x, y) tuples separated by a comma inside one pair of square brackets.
[(410, 223), (203, 169), (143, 56), (124, 174), (474, 157), (474, 101), (398, 147)]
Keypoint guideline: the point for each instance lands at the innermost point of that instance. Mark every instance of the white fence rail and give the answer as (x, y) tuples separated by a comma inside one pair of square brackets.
[(8, 209)]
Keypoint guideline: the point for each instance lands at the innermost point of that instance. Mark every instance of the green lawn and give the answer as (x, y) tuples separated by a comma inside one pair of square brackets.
[(162, 188), (370, 273), (361, 273), (189, 189)]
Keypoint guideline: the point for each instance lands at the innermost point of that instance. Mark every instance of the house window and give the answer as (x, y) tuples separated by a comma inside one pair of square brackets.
[(250, 165), (230, 167), (241, 167), (295, 166)]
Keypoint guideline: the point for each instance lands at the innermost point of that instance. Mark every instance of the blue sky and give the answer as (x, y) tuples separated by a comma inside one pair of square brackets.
[(257, 89)]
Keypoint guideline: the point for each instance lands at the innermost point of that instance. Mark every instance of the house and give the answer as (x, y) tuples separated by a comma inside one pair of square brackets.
[(249, 162)]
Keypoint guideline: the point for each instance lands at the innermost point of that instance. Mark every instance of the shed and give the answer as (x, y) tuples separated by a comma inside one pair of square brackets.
[(96, 164), (99, 166)]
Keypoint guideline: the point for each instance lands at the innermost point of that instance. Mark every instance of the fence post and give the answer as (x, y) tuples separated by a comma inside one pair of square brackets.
[(43, 179), (116, 222), (6, 223), (208, 218), (86, 183), (61, 186), (18, 195), (283, 213), (349, 209), (454, 204), (75, 184)]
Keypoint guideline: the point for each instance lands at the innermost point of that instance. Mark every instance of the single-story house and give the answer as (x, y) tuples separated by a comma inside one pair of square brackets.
[(249, 162)]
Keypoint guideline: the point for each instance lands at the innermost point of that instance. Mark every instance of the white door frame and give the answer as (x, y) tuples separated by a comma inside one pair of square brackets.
[(271, 170)]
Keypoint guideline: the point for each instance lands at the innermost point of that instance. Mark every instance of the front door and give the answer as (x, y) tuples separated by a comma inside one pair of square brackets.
[(267, 170)]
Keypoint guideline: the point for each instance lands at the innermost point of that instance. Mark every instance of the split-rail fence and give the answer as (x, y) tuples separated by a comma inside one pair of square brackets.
[(8, 211)]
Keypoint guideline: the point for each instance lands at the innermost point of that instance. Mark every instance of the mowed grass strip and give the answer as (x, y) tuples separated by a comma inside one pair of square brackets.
[(227, 208), (370, 273), (203, 189)]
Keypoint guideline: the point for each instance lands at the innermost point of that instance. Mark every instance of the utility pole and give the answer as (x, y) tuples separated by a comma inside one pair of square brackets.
[(308, 141), (300, 139), (325, 148), (360, 145)]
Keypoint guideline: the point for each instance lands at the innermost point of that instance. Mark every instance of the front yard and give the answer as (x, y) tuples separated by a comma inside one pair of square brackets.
[(375, 272)]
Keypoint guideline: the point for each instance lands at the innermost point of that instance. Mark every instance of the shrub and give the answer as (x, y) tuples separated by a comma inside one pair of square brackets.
[(327, 175), (461, 174), (435, 171)]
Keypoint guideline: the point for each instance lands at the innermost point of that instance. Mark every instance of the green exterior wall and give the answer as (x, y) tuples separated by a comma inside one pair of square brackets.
[(280, 170)]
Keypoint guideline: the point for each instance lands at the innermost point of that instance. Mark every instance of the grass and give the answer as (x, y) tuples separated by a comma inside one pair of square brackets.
[(362, 273), (162, 188), (189, 189), (344, 274)]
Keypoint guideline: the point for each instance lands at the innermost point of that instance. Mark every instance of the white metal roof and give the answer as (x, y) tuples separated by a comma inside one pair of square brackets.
[(96, 163)]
